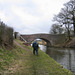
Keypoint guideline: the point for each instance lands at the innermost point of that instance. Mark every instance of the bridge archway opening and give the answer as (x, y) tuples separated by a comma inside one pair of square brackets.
[(47, 41)]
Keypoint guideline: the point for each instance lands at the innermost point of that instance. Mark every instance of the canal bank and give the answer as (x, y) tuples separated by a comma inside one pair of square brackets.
[(67, 44), (64, 56), (43, 64), (23, 62)]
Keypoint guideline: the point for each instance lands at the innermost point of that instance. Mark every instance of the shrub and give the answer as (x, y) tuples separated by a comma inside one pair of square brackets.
[(6, 35)]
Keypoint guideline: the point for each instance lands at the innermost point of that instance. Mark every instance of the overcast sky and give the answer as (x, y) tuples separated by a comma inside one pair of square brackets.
[(30, 16)]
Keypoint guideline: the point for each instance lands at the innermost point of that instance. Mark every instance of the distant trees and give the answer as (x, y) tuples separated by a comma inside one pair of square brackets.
[(66, 17), (6, 34), (56, 29)]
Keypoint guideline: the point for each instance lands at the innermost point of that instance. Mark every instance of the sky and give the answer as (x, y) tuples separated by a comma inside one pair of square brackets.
[(30, 16)]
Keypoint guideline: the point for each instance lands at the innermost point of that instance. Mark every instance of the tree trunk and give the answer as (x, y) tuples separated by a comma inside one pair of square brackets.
[(74, 26)]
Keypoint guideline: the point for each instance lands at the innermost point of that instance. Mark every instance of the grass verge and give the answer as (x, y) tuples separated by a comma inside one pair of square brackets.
[(19, 61)]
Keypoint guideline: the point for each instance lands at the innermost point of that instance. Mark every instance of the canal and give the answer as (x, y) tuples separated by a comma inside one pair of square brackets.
[(64, 56)]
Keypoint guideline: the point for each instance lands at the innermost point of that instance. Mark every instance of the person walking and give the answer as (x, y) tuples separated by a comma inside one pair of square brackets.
[(35, 47)]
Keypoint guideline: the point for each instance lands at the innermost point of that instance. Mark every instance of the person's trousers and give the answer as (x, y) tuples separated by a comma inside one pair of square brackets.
[(36, 51)]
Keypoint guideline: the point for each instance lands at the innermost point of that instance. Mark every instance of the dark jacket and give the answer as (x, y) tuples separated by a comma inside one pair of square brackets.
[(35, 45)]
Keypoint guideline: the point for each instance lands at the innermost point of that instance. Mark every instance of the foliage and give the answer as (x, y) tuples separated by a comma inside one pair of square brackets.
[(6, 34)]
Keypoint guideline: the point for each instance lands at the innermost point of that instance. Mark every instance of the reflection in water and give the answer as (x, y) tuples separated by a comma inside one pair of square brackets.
[(43, 48), (64, 56)]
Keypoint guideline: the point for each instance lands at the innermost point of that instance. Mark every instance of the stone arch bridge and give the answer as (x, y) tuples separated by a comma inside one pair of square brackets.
[(49, 38)]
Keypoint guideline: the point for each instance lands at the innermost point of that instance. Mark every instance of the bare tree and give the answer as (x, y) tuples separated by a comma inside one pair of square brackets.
[(71, 5), (66, 17), (56, 29)]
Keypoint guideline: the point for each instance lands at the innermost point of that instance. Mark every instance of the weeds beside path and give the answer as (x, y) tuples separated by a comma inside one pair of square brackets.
[(25, 63)]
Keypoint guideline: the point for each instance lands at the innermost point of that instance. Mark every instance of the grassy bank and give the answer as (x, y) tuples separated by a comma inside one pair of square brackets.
[(67, 44), (20, 61)]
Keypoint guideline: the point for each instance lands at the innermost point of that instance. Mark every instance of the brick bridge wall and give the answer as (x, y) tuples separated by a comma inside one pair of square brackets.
[(50, 39)]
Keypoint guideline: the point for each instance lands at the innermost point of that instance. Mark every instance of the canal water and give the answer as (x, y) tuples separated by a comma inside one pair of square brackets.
[(64, 56)]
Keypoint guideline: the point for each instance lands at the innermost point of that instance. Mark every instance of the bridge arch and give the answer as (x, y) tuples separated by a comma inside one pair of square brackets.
[(47, 41), (50, 39), (30, 40)]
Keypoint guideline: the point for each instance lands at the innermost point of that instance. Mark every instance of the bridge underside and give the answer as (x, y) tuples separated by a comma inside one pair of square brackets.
[(47, 41)]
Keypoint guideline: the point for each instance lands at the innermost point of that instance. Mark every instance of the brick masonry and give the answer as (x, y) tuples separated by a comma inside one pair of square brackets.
[(49, 38)]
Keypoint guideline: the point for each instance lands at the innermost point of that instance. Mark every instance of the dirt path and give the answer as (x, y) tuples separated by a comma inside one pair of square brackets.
[(31, 59), (20, 45)]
